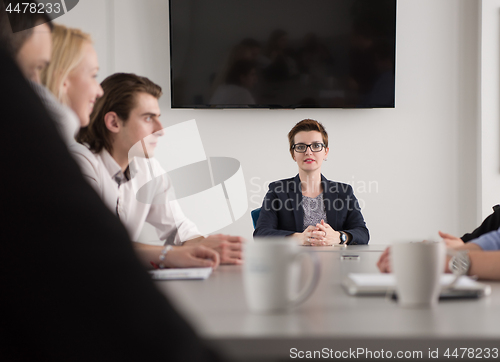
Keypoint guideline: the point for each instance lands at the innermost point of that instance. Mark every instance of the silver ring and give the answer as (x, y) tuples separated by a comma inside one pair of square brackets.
[(325, 233), (307, 240)]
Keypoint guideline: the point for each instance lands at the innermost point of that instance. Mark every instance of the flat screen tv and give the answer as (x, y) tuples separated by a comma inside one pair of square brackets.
[(282, 53)]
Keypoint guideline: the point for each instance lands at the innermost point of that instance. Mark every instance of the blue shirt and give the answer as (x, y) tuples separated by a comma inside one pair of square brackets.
[(489, 241)]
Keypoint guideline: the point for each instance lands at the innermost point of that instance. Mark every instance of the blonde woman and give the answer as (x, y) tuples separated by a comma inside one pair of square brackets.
[(72, 72)]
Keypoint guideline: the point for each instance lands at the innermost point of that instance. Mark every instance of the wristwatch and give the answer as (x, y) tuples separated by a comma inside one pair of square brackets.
[(460, 263), (343, 237)]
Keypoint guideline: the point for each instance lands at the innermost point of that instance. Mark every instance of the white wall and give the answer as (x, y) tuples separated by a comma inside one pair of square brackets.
[(490, 110), (421, 158)]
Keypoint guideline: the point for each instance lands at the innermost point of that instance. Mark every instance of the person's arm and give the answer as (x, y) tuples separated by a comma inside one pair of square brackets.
[(168, 219), (355, 223), (229, 247), (451, 241), (267, 224), (384, 262), (469, 246), (483, 264), (196, 256), (487, 242)]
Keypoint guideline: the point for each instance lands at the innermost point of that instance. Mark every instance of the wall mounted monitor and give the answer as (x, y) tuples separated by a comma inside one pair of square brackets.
[(282, 53)]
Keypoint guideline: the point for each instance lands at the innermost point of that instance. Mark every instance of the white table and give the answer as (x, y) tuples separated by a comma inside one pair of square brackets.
[(331, 319)]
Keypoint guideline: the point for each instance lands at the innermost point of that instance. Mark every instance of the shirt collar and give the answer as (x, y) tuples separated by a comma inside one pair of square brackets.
[(109, 162), (114, 168)]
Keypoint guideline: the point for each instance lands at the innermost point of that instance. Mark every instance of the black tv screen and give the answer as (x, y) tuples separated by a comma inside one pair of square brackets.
[(282, 53)]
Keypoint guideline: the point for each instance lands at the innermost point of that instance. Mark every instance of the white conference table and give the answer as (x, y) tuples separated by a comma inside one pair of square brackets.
[(331, 319)]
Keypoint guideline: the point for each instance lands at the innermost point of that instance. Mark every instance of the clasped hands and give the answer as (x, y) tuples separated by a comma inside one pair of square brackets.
[(320, 235)]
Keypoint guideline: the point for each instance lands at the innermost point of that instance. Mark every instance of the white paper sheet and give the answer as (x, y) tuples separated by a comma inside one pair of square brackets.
[(180, 273)]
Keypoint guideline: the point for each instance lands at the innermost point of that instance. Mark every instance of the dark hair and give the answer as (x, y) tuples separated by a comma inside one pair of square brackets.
[(307, 125), (119, 96), (21, 26)]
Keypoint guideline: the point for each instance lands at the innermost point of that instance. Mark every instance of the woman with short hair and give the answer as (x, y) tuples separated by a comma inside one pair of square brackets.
[(309, 207)]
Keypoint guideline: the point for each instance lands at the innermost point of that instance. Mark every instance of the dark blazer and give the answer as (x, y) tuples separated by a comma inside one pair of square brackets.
[(282, 213), (491, 223)]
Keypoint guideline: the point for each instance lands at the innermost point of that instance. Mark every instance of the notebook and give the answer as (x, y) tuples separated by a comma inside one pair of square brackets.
[(385, 284), (180, 273)]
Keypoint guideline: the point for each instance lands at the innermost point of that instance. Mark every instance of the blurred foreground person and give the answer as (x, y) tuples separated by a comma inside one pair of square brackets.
[(72, 286), (26, 36), (31, 49)]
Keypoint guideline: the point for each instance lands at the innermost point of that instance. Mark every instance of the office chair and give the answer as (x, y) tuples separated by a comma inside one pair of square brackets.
[(255, 216)]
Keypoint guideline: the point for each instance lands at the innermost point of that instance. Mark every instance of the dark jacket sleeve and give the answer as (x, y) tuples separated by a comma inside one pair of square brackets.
[(492, 222), (270, 221), (354, 223), (72, 287)]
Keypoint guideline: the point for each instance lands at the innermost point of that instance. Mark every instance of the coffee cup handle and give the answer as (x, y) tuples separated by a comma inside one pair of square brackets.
[(312, 281)]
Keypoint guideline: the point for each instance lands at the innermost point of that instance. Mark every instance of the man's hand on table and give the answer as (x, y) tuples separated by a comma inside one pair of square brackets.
[(197, 256), (384, 262), (450, 240), (228, 247)]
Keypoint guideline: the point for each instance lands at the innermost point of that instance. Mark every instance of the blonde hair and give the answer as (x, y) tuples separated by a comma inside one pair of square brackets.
[(67, 53)]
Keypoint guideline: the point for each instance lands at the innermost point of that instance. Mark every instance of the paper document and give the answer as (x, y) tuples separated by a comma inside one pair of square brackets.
[(180, 273), (389, 280), (373, 284)]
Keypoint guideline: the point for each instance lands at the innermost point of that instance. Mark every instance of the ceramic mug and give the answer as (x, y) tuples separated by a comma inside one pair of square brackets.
[(272, 273), (418, 267)]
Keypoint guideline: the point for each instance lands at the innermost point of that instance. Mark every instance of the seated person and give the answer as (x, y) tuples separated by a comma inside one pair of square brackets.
[(308, 206), (71, 78), (32, 48), (481, 257), (492, 222), (127, 113)]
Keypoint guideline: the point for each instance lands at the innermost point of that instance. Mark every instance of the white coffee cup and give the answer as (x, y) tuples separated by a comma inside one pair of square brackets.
[(271, 274), (418, 267)]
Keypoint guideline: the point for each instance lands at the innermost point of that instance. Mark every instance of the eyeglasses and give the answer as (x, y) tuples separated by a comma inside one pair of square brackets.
[(302, 147)]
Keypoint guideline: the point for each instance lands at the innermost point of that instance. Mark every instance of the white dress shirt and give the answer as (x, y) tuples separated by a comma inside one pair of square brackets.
[(141, 199)]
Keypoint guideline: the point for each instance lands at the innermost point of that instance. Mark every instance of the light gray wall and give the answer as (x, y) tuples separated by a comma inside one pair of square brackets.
[(414, 167), (490, 103)]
